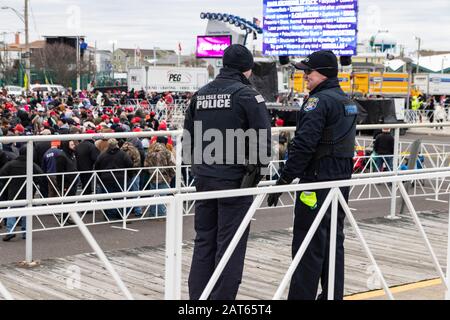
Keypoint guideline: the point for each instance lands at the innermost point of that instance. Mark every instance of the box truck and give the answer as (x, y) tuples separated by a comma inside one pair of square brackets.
[(161, 79)]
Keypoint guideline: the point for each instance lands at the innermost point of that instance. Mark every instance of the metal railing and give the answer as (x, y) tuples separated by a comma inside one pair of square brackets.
[(440, 187), (160, 186), (425, 116), (38, 207), (174, 227), (333, 198)]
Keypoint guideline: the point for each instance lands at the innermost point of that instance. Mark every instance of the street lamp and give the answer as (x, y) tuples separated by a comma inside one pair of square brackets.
[(21, 17), (24, 19), (419, 41)]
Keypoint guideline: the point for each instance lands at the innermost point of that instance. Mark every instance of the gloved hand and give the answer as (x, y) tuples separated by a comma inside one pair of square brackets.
[(272, 200)]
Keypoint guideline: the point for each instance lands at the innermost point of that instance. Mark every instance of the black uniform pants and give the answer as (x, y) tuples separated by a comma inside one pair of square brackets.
[(216, 222), (313, 266)]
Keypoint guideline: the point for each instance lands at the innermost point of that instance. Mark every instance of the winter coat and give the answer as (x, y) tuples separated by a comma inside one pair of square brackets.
[(133, 153), (40, 149), (3, 158), (159, 156), (86, 153), (112, 159), (18, 167), (67, 162)]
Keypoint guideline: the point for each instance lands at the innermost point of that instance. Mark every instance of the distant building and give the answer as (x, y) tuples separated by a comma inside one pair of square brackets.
[(103, 61), (123, 59)]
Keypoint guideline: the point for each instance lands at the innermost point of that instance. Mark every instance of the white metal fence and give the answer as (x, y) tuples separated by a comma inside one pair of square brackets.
[(137, 183), (174, 228), (426, 116), (178, 201), (435, 156)]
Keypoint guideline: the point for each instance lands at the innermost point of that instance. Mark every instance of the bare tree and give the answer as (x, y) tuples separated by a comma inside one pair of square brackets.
[(59, 62), (193, 61)]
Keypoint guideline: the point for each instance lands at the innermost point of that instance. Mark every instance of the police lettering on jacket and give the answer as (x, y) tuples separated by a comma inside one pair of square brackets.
[(214, 101)]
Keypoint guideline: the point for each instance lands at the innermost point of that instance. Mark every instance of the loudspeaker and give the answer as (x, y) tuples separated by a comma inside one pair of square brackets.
[(345, 60), (284, 60), (265, 80)]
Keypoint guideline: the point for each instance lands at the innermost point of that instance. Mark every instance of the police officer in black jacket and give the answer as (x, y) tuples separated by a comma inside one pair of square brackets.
[(228, 104), (322, 150)]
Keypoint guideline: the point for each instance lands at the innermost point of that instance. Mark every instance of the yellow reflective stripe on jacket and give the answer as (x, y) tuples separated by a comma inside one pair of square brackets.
[(309, 199)]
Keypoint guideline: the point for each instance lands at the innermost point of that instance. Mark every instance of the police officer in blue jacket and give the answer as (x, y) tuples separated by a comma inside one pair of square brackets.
[(322, 150), (226, 105)]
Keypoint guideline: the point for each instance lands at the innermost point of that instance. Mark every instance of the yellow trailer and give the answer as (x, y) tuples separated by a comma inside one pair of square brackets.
[(365, 83)]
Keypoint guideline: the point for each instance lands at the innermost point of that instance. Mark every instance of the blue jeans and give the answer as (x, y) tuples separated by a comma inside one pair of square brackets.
[(384, 161), (111, 213), (160, 209), (136, 187), (10, 222)]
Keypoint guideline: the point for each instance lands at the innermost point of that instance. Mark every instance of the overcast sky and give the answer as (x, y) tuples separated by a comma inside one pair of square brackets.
[(165, 23)]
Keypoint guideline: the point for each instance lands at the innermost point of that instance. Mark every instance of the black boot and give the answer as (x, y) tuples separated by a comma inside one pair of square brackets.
[(8, 237)]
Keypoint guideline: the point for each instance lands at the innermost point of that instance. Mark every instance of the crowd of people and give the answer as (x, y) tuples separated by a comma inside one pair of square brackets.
[(87, 113), (433, 108)]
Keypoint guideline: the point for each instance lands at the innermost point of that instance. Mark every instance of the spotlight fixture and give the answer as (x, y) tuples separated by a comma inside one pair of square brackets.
[(237, 21)]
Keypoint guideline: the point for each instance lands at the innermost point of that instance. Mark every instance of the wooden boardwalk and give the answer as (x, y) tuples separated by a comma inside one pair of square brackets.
[(396, 245)]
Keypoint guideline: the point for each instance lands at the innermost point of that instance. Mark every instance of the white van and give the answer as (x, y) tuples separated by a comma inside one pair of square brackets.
[(47, 88), (14, 90)]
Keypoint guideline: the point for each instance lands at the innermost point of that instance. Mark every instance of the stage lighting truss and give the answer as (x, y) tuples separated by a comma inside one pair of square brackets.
[(237, 21)]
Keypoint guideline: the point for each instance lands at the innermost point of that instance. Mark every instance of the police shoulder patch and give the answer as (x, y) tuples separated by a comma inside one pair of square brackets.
[(311, 104), (259, 99)]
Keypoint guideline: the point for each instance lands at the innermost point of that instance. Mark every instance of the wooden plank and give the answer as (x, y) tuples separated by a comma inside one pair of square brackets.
[(396, 245)]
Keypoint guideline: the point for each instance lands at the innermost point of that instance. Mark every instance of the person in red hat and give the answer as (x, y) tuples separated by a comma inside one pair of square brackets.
[(279, 123), (106, 119), (168, 99), (152, 122), (19, 129), (162, 126), (164, 140), (136, 120)]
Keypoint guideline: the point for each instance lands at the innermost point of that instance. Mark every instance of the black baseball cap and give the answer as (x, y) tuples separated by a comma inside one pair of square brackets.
[(324, 61), (238, 57)]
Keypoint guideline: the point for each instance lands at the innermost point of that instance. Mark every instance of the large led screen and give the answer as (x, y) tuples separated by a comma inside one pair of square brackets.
[(300, 27), (212, 46)]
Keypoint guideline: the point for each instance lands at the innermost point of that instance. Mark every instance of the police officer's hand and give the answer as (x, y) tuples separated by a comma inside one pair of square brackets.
[(272, 200)]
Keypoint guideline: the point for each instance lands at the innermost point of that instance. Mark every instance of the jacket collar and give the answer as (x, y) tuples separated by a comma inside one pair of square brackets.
[(327, 84), (232, 74)]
